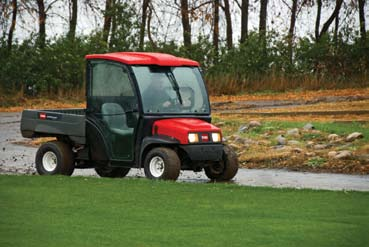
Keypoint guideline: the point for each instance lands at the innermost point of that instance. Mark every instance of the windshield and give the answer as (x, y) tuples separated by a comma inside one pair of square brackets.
[(171, 89)]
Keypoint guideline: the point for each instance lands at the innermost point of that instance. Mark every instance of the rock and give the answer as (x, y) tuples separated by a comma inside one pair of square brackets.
[(279, 147), (297, 150), (332, 154), (333, 137), (249, 141), (320, 146), (293, 143), (343, 154), (310, 144), (243, 128), (239, 140), (353, 136), (254, 123), (310, 154), (309, 126), (293, 132), (281, 140)]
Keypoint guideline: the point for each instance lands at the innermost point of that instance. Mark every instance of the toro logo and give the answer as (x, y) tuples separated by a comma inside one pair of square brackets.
[(42, 115), (205, 137)]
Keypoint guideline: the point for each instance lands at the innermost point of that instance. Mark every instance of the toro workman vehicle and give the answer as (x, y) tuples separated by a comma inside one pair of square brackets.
[(144, 110)]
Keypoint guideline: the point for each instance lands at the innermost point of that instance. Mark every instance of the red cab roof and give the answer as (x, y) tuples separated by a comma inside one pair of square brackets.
[(144, 58)]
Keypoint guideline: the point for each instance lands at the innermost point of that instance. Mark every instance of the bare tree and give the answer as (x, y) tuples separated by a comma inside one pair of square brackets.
[(216, 27), (12, 26), (73, 13), (186, 24), (229, 32), (331, 19), (291, 30), (263, 17), (41, 23), (336, 26), (107, 19), (317, 21), (362, 20), (145, 5), (244, 19)]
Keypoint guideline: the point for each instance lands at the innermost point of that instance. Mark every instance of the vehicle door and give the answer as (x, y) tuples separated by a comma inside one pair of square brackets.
[(112, 103)]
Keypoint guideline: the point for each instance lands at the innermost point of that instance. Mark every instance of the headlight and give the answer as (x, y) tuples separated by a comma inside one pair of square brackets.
[(193, 137), (216, 137)]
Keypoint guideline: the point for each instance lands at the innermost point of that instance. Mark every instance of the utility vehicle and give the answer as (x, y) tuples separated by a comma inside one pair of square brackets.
[(147, 110)]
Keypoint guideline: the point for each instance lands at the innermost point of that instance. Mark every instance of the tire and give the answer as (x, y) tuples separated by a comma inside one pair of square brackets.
[(55, 158), (226, 169), (162, 163), (112, 172)]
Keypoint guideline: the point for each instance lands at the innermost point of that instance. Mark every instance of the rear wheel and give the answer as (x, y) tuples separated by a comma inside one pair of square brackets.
[(162, 163), (226, 169), (53, 158), (112, 172)]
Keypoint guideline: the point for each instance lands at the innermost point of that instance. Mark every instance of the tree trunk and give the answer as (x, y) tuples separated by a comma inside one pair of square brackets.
[(145, 5), (12, 26), (73, 20), (336, 24), (244, 20), (113, 24), (107, 20), (149, 18), (263, 21), (331, 18), (41, 23), (362, 20), (216, 28), (317, 21), (291, 30), (186, 24), (227, 14)]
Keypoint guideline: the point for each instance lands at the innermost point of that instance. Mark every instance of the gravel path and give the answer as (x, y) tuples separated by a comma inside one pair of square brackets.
[(19, 159)]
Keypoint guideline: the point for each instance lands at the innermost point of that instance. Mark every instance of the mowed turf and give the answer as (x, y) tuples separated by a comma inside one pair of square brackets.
[(80, 211)]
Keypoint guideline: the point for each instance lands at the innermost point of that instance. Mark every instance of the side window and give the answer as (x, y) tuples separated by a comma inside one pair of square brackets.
[(109, 79)]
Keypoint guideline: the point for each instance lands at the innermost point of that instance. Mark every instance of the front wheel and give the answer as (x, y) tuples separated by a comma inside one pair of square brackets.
[(225, 169), (162, 163), (54, 158), (112, 172)]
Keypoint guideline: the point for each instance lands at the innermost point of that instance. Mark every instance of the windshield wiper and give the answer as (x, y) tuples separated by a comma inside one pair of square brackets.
[(175, 86)]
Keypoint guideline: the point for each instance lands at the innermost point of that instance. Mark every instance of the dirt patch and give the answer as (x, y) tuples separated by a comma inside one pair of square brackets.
[(306, 96), (287, 145)]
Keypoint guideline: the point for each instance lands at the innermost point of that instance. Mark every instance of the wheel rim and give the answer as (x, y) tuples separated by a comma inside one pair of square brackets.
[(49, 161), (156, 166)]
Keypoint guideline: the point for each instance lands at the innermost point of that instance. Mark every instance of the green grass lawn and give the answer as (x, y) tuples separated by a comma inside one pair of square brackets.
[(79, 211)]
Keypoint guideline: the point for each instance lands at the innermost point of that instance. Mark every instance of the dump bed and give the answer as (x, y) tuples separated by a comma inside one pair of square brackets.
[(61, 122)]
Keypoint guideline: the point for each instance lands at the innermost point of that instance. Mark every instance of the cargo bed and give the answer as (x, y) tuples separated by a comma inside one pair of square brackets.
[(50, 123)]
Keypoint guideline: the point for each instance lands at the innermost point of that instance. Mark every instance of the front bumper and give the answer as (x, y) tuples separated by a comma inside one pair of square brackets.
[(204, 152)]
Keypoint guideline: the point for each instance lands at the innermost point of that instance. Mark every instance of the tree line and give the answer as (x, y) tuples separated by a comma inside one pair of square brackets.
[(335, 55)]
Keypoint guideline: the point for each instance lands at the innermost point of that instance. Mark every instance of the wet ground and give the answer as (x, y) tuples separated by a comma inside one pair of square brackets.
[(19, 159)]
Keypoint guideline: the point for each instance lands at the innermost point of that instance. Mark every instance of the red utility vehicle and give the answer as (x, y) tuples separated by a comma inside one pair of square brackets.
[(147, 110)]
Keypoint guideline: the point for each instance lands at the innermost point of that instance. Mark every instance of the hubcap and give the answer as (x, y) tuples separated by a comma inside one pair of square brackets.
[(156, 166), (217, 168), (49, 161)]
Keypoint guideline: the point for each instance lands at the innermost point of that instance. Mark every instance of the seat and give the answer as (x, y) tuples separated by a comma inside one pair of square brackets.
[(115, 118)]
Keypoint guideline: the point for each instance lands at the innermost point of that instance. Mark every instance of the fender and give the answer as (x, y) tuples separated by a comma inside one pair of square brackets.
[(155, 140), (96, 141)]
